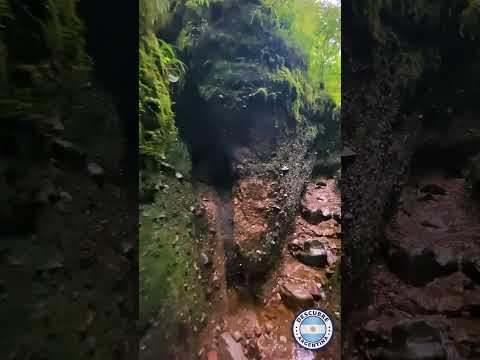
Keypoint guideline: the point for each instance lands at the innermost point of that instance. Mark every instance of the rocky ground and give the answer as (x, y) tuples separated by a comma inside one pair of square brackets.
[(67, 280), (424, 294), (251, 319)]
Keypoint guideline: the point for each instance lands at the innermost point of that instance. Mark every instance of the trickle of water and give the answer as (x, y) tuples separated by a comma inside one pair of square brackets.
[(300, 353)]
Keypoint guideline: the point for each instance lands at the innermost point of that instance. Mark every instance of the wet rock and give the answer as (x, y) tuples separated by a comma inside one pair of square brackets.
[(52, 265), (179, 175), (471, 267), (415, 330), (412, 340), (313, 212), (166, 167), (318, 293), (419, 266), (205, 259), (229, 349), (96, 172), (237, 336), (433, 189), (348, 153), (295, 296), (446, 259), (416, 339), (375, 330), (68, 152), (65, 196), (313, 254)]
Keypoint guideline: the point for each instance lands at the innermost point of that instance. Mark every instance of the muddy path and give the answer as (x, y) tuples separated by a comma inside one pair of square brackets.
[(424, 293), (251, 321)]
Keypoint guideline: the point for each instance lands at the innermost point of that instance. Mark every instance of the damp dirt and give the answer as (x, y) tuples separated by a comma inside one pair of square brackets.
[(259, 318), (426, 275)]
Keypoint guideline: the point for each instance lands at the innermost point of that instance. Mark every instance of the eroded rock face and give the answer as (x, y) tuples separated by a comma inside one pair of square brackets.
[(264, 202), (251, 205), (237, 113)]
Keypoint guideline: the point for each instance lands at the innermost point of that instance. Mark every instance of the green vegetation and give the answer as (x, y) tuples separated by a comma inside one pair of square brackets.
[(159, 69), (168, 235), (470, 20), (300, 92), (270, 54), (36, 80), (314, 27), (169, 238)]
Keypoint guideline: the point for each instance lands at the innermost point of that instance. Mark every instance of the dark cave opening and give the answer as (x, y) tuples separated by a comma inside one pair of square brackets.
[(215, 134), (213, 165)]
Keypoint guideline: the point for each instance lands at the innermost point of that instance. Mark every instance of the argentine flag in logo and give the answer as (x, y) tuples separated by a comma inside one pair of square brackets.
[(313, 328)]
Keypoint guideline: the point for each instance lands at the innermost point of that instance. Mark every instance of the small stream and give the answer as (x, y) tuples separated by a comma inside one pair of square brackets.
[(262, 321)]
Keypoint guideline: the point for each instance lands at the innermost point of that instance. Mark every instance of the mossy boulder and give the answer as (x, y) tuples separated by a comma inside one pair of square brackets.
[(251, 121)]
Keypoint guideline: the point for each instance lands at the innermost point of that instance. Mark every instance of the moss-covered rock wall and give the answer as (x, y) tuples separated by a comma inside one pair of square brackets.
[(407, 74)]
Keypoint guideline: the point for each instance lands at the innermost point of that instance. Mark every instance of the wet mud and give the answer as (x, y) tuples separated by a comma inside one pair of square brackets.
[(252, 318)]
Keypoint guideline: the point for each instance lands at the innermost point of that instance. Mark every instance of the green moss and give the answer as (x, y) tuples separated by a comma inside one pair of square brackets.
[(262, 92), (470, 20), (159, 68), (411, 66), (37, 80), (312, 27), (169, 243), (302, 99)]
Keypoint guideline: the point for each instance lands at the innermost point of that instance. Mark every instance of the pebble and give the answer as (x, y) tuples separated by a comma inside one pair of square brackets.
[(283, 339), (237, 336), (268, 327)]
